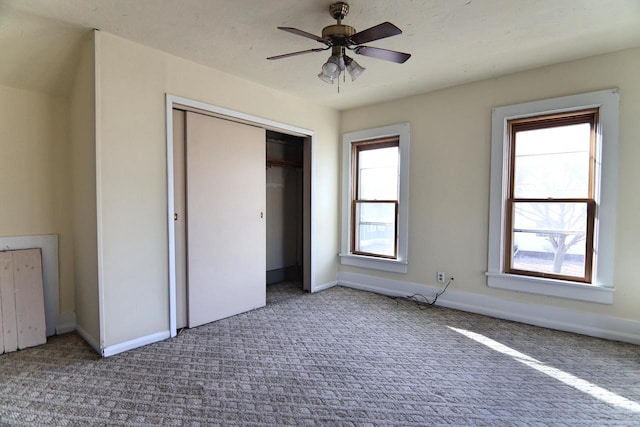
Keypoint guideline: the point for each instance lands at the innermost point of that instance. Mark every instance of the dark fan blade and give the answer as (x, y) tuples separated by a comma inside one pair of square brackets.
[(303, 34), (380, 31), (387, 55), (286, 55)]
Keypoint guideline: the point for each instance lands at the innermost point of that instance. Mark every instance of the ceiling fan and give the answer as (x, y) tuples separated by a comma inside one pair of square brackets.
[(340, 38)]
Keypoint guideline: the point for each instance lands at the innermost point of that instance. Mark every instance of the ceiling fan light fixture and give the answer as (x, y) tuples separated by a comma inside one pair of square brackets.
[(325, 78), (333, 67), (355, 70)]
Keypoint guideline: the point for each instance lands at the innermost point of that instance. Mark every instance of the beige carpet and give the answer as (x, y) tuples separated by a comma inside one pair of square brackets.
[(338, 358)]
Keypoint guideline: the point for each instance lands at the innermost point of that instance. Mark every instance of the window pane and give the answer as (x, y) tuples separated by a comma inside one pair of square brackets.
[(550, 237), (378, 174), (553, 162), (376, 228)]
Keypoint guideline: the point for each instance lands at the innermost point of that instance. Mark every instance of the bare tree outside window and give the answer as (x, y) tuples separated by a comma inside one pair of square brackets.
[(558, 228)]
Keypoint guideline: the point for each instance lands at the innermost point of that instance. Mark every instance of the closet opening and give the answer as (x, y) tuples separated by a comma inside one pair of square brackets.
[(284, 210)]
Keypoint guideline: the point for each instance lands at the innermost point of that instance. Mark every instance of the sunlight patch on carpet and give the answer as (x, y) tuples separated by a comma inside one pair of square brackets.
[(565, 377)]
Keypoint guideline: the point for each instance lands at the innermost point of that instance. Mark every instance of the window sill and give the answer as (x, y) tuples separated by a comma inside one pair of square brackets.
[(392, 265), (551, 287)]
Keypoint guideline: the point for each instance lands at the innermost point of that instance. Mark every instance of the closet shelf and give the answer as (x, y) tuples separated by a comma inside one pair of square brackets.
[(283, 163)]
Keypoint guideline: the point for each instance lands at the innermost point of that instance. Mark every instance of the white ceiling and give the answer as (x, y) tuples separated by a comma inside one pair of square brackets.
[(451, 41)]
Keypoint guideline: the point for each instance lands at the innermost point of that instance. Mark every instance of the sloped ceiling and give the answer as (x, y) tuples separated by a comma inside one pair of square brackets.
[(451, 41)]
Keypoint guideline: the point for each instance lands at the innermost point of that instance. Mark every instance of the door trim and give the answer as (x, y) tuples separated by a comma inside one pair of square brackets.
[(172, 101)]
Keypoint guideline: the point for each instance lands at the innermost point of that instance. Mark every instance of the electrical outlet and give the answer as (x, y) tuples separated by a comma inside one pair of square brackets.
[(441, 277)]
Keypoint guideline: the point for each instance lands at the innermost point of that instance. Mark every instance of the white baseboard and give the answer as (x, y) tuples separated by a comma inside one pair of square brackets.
[(135, 343), (584, 323), (324, 286), (89, 339), (66, 323)]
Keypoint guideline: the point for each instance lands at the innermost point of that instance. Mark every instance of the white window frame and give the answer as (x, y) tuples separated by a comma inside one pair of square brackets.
[(398, 265), (601, 289)]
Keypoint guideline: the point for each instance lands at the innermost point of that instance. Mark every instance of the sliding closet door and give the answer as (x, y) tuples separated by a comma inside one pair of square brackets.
[(225, 218)]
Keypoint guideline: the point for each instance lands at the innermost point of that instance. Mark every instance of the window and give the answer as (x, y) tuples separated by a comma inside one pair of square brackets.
[(553, 185), (550, 208), (375, 192), (375, 198)]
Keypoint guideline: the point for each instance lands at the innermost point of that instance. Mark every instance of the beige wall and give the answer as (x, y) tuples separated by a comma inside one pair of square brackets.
[(450, 165), (110, 214), (34, 174), (131, 174), (83, 188)]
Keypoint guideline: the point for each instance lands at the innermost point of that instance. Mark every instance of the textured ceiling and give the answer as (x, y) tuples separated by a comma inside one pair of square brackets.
[(451, 41)]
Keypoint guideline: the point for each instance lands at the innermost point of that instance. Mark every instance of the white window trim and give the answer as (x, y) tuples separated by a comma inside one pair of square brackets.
[(399, 265), (601, 291)]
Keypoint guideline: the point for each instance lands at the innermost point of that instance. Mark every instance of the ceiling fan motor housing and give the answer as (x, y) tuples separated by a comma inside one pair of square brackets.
[(338, 34)]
